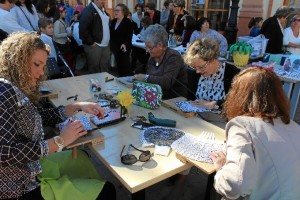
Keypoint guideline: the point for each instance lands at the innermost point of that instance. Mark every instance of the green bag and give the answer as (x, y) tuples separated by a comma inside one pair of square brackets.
[(147, 95)]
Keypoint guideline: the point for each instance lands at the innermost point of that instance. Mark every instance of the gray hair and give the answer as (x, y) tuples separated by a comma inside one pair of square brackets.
[(156, 34), (282, 11)]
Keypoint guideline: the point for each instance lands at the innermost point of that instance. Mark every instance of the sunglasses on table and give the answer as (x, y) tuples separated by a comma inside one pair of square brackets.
[(130, 159)]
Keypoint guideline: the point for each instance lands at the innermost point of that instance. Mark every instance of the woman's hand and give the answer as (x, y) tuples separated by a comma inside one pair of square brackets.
[(204, 104), (72, 131), (92, 108), (219, 159), (139, 77), (123, 48), (88, 107)]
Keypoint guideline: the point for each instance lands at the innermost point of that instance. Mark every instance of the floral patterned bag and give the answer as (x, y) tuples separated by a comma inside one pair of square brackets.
[(147, 95)]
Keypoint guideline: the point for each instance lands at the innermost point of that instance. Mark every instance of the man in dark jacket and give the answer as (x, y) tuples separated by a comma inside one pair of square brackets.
[(95, 35), (272, 29)]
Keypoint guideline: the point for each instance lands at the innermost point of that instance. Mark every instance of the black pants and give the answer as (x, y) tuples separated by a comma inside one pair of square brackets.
[(108, 192)]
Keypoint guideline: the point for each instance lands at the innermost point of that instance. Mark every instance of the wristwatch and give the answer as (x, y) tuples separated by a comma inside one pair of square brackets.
[(216, 107), (59, 141)]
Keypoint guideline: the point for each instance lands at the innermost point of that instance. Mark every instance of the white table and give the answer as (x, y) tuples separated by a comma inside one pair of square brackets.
[(140, 175)]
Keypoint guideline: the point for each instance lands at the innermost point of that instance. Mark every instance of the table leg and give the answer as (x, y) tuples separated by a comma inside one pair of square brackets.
[(140, 195), (209, 186), (295, 99), (287, 87)]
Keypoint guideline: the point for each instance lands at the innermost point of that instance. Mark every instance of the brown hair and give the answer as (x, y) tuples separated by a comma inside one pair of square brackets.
[(257, 92), (15, 54)]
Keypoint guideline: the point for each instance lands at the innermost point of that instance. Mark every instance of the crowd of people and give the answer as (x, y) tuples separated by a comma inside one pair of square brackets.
[(261, 137)]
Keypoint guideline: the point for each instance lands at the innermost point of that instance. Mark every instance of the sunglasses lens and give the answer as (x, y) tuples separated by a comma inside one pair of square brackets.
[(128, 159), (145, 156)]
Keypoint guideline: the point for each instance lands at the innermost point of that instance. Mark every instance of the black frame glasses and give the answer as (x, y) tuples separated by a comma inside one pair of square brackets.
[(201, 68), (130, 159)]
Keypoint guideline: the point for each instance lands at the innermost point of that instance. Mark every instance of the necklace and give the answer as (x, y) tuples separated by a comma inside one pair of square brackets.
[(157, 63)]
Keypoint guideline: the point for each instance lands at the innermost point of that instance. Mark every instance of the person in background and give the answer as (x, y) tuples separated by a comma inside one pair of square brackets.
[(262, 148), (203, 30), (165, 66), (75, 28), (291, 36), (70, 12), (272, 28), (26, 14), (189, 27), (134, 25), (95, 35), (121, 35), (23, 150), (46, 28), (60, 35), (215, 77), (140, 54), (151, 12), (166, 10), (175, 23), (255, 24), (42, 8), (9, 23), (138, 15), (79, 6)]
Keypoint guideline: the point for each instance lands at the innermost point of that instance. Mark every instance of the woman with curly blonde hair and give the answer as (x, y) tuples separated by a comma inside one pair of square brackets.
[(22, 145)]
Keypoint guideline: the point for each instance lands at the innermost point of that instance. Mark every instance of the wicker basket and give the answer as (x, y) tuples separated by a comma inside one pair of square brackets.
[(240, 60)]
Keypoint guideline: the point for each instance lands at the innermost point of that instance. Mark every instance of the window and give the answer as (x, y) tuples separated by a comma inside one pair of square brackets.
[(217, 11)]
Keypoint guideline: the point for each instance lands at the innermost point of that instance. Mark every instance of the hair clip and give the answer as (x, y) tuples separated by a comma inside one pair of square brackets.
[(61, 8)]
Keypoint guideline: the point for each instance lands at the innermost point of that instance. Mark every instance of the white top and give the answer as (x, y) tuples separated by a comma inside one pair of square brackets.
[(48, 40), (105, 25), (136, 19), (9, 22), (21, 17), (288, 37), (76, 33), (262, 160)]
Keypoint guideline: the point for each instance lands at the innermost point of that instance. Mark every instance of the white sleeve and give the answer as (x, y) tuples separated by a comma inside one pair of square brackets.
[(237, 177), (10, 24), (286, 36)]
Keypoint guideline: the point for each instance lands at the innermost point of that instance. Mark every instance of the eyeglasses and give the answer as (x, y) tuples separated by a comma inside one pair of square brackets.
[(148, 49), (296, 20), (130, 159), (201, 68)]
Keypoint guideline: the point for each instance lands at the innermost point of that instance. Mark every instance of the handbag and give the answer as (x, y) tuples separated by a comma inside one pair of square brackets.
[(147, 95)]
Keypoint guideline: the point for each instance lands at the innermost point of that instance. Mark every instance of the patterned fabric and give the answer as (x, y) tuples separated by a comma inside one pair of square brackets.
[(186, 106), (211, 88), (147, 95), (21, 140)]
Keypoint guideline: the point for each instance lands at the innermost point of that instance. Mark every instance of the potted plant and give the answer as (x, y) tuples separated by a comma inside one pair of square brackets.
[(241, 52)]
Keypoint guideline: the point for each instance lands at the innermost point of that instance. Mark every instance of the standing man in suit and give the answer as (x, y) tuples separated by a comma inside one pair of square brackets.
[(152, 13), (273, 28), (95, 35)]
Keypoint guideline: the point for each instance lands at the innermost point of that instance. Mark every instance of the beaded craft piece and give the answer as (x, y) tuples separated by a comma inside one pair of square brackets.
[(82, 118), (162, 136), (186, 106)]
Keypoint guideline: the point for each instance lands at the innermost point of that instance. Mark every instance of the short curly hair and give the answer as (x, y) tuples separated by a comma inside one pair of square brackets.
[(156, 34), (15, 55), (206, 49)]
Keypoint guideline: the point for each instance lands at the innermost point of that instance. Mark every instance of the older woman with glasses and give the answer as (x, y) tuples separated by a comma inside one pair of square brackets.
[(215, 76), (291, 36), (165, 66)]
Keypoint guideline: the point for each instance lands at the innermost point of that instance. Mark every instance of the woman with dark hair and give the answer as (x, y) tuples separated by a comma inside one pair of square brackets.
[(139, 14), (262, 156), (120, 42), (42, 8), (151, 12), (203, 30), (175, 24), (26, 14), (255, 25), (189, 27)]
